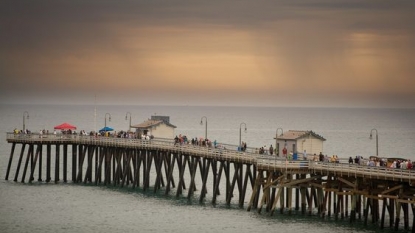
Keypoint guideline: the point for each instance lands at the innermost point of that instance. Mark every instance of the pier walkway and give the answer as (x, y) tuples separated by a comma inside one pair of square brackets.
[(230, 153), (320, 187)]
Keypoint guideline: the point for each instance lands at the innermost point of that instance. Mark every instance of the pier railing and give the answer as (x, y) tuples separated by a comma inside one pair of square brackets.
[(227, 152), (222, 151)]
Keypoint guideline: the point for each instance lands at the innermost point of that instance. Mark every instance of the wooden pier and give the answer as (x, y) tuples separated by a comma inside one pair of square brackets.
[(261, 182)]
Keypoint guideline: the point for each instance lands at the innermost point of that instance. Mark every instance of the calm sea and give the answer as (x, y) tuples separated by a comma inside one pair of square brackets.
[(42, 207)]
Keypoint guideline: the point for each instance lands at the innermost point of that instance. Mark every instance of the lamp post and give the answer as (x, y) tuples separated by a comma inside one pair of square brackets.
[(377, 145), (109, 119), (240, 133), (25, 113), (277, 152), (129, 126), (201, 123)]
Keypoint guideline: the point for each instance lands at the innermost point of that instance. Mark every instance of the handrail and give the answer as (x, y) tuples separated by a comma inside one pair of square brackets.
[(263, 161)]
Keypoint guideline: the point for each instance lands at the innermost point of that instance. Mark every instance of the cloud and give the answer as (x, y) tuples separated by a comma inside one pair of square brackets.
[(325, 53)]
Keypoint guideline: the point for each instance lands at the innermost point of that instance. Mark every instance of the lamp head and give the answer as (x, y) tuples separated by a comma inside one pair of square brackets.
[(245, 129), (370, 136), (201, 122), (126, 117), (109, 118)]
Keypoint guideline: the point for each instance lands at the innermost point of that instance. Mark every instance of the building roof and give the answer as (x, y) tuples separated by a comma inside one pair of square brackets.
[(151, 123), (298, 134)]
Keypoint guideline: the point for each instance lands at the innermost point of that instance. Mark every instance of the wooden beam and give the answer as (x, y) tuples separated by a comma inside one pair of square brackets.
[(392, 189), (389, 196), (340, 193), (317, 185), (273, 182), (295, 182), (374, 197), (361, 192), (405, 201), (331, 190), (346, 182)]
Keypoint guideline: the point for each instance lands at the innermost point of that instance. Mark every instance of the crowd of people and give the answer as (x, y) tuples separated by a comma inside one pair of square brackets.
[(266, 151), (183, 140), (382, 162)]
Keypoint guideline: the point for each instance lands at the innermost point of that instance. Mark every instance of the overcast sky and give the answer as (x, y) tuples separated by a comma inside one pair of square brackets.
[(326, 53)]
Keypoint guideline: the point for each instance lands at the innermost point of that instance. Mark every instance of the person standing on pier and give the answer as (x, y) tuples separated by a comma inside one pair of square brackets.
[(409, 166), (271, 150), (284, 152)]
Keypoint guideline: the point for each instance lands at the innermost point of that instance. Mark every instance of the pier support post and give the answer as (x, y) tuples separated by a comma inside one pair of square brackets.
[(65, 162), (256, 191), (346, 210), (297, 195), (57, 163), (48, 158), (391, 212), (40, 147), (336, 206), (74, 165), (290, 198), (10, 161), (282, 199), (353, 210), (38, 152), (28, 158), (303, 199), (405, 215), (310, 200), (329, 204), (398, 213), (19, 162), (366, 203), (413, 218), (382, 220)]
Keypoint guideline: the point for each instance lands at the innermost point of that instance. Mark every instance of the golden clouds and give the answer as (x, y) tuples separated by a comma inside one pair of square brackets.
[(379, 62), (242, 53), (199, 58)]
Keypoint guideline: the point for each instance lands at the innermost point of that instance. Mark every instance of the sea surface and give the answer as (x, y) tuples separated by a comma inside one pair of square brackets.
[(49, 207)]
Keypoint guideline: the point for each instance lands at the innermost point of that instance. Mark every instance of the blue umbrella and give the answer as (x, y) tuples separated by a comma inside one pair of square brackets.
[(106, 128)]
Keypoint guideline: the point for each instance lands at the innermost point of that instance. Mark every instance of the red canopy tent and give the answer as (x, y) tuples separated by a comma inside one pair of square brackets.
[(65, 126)]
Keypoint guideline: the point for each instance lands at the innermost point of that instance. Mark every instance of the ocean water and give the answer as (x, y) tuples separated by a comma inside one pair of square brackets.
[(49, 207)]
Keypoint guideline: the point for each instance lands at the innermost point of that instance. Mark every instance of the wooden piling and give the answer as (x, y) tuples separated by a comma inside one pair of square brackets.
[(57, 163), (19, 162), (40, 146), (48, 165), (10, 161), (28, 158), (74, 165), (38, 150), (65, 162)]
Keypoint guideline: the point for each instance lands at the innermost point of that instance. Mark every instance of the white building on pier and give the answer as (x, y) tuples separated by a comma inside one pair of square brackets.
[(157, 126), (298, 141)]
